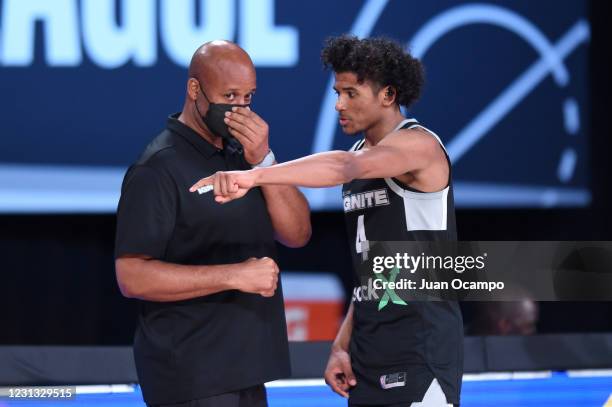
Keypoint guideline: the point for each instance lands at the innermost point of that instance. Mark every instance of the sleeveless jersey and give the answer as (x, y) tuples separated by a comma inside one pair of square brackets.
[(397, 351)]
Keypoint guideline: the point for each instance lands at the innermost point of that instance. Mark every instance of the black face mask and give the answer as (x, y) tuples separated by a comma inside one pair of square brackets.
[(214, 121)]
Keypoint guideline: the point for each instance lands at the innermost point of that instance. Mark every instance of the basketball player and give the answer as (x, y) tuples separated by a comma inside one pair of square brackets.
[(402, 355)]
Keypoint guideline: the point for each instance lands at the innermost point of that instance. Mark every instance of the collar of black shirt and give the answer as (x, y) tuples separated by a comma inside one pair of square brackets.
[(200, 143)]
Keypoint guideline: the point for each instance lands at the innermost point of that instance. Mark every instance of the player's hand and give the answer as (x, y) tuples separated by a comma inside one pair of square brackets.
[(251, 131), (257, 276), (339, 373), (227, 186)]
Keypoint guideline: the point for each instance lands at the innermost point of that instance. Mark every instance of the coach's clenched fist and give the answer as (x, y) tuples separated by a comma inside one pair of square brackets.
[(257, 276)]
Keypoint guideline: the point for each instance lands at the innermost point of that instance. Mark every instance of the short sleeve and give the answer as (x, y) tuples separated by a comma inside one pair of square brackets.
[(146, 213)]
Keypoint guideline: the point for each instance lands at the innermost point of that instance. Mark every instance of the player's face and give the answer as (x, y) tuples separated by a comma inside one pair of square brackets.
[(358, 105)]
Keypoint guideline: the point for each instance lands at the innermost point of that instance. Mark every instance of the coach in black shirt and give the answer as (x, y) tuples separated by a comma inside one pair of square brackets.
[(211, 326)]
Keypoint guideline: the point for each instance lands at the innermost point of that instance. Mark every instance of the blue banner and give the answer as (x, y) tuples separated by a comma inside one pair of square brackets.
[(86, 84)]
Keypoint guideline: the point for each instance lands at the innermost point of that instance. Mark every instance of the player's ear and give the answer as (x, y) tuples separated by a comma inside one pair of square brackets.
[(389, 95)]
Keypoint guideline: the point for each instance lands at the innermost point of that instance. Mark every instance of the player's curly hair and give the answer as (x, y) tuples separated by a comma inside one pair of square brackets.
[(381, 61)]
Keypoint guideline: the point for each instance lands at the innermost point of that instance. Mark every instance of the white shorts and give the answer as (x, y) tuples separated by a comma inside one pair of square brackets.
[(434, 397)]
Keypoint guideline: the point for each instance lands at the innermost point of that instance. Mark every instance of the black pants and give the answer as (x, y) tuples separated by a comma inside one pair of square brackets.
[(252, 397)]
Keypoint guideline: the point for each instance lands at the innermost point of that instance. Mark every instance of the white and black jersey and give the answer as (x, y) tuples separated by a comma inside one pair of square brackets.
[(421, 340)]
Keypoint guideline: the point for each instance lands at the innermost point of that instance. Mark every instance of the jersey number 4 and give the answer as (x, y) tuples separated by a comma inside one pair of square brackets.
[(362, 245)]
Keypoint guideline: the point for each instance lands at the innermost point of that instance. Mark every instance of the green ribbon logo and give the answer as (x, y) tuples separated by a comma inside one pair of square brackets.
[(390, 294)]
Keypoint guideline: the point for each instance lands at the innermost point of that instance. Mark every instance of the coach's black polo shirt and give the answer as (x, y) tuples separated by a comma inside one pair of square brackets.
[(218, 343)]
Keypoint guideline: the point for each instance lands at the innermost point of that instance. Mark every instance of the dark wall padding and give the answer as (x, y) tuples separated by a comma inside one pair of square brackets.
[(38, 365)]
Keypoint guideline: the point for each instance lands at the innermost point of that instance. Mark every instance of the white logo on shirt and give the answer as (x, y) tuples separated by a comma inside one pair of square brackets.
[(364, 200)]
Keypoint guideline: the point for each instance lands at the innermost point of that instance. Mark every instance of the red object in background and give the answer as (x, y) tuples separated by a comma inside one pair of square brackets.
[(314, 304)]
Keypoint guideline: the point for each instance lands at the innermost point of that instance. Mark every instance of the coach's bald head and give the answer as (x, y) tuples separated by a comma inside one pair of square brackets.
[(220, 58)]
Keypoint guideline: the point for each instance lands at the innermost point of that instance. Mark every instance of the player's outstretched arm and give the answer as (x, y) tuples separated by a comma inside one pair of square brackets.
[(401, 152)]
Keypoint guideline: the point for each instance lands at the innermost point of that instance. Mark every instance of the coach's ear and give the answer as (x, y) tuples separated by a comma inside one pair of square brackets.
[(388, 95), (193, 88)]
